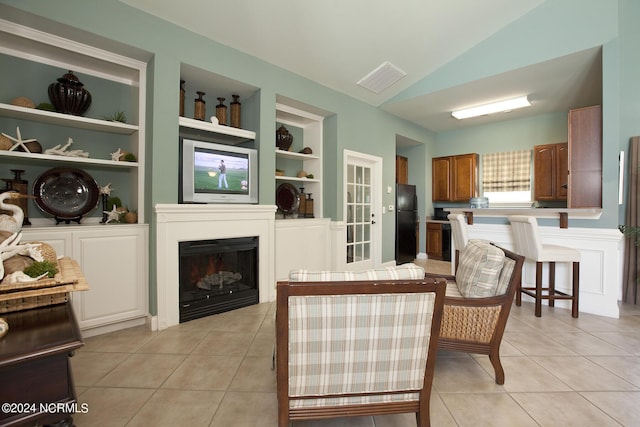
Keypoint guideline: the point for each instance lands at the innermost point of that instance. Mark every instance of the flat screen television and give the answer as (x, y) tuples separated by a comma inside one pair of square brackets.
[(217, 173)]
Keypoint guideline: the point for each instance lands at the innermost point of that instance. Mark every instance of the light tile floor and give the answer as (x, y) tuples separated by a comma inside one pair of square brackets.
[(216, 372)]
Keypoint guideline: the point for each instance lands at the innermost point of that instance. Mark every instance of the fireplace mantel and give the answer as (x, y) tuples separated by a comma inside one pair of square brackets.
[(185, 222)]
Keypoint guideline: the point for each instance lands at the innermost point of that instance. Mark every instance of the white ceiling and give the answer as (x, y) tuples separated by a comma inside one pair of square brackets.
[(336, 43)]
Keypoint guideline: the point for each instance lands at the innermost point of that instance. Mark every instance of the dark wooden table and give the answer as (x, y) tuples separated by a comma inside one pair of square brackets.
[(36, 385)]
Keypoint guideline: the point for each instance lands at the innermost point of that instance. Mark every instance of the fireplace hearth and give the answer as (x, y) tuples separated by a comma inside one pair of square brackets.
[(217, 275)]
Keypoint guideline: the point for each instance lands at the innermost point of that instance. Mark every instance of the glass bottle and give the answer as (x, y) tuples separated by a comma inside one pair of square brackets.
[(199, 110), (221, 112), (181, 98), (235, 111)]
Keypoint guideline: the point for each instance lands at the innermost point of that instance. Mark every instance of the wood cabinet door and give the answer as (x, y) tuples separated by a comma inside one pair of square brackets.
[(585, 158), (402, 170), (434, 240), (464, 177), (440, 173), (544, 160)]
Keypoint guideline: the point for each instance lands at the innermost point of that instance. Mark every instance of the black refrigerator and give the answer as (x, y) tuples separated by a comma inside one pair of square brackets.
[(406, 217)]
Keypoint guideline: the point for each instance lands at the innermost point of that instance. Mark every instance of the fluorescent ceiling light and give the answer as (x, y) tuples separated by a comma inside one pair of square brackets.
[(494, 107)]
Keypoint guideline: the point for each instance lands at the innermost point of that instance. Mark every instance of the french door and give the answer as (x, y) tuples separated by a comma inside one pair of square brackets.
[(362, 206)]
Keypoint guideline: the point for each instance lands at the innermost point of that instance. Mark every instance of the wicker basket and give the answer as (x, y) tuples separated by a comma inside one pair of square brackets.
[(44, 292)]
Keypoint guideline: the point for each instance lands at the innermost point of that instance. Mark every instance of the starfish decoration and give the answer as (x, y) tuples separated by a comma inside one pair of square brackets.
[(115, 156), (106, 189), (19, 142), (113, 214)]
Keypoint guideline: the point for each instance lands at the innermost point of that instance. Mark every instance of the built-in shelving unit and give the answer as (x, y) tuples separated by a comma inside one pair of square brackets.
[(116, 83), (30, 60), (293, 161)]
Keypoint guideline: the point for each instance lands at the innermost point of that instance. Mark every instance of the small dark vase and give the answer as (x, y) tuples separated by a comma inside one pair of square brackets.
[(283, 138), (199, 108), (68, 96), (235, 111)]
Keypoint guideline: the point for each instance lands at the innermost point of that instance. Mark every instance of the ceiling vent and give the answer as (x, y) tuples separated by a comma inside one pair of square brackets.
[(382, 77)]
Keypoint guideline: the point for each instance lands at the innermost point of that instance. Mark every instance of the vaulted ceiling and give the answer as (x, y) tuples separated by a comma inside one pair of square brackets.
[(337, 43)]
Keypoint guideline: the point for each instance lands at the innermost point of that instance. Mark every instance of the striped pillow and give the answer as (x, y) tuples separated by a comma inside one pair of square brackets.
[(479, 269), (407, 271)]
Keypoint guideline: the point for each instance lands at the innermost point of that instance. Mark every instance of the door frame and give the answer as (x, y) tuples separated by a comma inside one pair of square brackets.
[(375, 163)]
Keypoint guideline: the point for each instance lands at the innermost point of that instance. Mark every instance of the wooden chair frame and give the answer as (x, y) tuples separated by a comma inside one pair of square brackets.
[(487, 315), (419, 406)]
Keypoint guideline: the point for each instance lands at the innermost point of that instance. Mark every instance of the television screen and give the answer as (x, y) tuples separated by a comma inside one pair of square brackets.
[(220, 172)]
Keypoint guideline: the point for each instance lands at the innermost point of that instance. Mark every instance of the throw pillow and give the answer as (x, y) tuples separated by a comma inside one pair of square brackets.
[(479, 269)]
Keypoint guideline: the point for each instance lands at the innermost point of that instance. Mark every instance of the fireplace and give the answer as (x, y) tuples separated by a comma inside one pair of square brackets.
[(217, 275)]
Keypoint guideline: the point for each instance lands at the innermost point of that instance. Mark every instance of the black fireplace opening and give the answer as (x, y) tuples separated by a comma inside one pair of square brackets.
[(217, 275)]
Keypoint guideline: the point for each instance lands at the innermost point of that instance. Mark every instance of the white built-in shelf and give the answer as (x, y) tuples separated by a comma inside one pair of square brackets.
[(228, 134), (65, 159), (295, 178), (67, 120), (294, 155)]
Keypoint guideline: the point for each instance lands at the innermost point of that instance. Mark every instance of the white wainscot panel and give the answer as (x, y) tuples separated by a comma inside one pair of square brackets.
[(600, 252), (302, 243)]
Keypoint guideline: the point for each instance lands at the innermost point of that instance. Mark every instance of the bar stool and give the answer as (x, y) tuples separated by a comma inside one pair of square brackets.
[(528, 244), (459, 234)]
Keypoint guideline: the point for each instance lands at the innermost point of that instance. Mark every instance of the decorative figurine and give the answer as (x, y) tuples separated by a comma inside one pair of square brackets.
[(13, 222), (105, 192)]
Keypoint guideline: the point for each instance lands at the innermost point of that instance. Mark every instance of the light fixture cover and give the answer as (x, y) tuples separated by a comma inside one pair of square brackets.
[(494, 107)]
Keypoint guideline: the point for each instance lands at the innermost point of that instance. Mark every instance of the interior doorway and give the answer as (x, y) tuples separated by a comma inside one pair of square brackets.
[(362, 209)]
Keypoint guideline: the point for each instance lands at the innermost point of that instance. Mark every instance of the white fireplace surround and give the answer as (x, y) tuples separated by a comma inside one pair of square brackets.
[(181, 223)]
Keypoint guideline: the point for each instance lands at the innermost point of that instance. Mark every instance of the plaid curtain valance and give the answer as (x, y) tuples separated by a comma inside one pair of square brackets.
[(507, 171)]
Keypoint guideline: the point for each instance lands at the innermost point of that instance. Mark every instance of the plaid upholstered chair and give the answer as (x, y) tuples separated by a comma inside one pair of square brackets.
[(478, 301), (354, 348)]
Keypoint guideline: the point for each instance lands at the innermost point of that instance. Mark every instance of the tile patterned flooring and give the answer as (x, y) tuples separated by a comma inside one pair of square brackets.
[(216, 372)]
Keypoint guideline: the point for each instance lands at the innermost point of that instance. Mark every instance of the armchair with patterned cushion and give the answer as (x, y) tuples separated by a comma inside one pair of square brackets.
[(354, 348), (478, 301)]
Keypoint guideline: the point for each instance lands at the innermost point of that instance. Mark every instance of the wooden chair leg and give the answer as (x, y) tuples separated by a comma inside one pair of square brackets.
[(576, 289), (494, 357), (552, 283), (538, 289)]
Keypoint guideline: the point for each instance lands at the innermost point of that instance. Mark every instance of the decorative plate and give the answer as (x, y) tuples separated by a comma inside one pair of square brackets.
[(66, 193), (287, 198)]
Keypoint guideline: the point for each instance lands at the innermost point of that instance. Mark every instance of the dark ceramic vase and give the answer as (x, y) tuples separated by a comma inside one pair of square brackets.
[(283, 138), (68, 96)]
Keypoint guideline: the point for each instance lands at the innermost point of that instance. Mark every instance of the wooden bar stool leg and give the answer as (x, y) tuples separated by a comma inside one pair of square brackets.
[(552, 283), (538, 289), (519, 293), (576, 289)]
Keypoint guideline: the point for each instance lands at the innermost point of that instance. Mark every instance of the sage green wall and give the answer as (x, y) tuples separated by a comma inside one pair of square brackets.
[(553, 29), (353, 125)]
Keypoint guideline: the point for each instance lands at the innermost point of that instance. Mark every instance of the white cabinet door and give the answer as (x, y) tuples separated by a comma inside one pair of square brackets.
[(113, 258), (302, 243), (114, 262)]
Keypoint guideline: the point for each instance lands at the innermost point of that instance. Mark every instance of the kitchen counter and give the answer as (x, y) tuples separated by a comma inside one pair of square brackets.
[(562, 213)]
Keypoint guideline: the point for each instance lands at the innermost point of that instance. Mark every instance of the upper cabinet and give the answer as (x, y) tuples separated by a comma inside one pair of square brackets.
[(455, 178), (31, 61), (585, 158), (550, 165), (304, 156), (402, 170)]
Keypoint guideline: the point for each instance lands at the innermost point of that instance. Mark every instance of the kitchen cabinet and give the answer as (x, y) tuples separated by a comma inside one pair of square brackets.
[(550, 172), (434, 240), (402, 170), (455, 178), (585, 158)]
